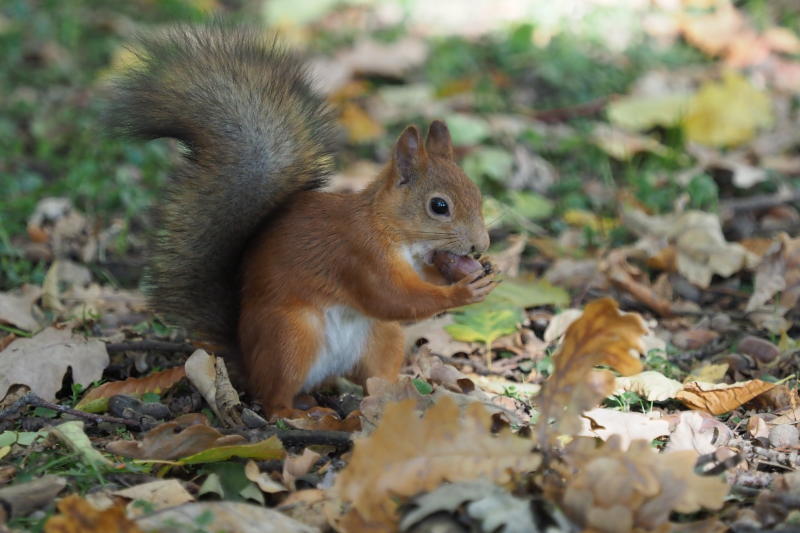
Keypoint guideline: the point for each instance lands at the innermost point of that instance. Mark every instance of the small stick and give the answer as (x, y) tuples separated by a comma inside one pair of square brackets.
[(36, 401), (149, 345)]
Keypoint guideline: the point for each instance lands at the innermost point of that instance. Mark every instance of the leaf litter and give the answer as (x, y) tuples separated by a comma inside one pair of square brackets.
[(502, 407)]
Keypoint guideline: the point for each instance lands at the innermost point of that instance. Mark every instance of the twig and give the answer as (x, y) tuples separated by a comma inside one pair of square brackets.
[(36, 401), (758, 202), (149, 345), (560, 114), (299, 438)]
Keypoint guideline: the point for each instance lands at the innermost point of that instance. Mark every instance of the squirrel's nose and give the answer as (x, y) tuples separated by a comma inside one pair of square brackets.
[(481, 243)]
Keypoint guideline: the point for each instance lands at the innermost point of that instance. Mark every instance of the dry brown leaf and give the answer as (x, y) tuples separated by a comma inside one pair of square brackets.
[(181, 437), (326, 419), (296, 466), (628, 426), (757, 428), (717, 399), (611, 490), (156, 383), (713, 33), (222, 516), (651, 385), (699, 432), (779, 271), (160, 494), (209, 375), (445, 445), (79, 516), (602, 335), (359, 125), (262, 479), (16, 307), (41, 362), (624, 275)]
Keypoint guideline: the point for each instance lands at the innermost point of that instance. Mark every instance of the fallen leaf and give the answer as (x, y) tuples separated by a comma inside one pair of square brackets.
[(612, 489), (209, 375), (79, 516), (628, 426), (602, 335), (182, 437), (262, 479), (270, 448), (491, 507), (699, 432), (71, 433), (222, 516), (484, 324), (360, 127), (714, 32), (651, 385), (640, 113), (384, 469), (296, 466), (41, 362), (436, 338), (727, 113), (623, 145), (96, 399), (161, 494), (779, 271), (709, 373), (721, 398), (16, 307)]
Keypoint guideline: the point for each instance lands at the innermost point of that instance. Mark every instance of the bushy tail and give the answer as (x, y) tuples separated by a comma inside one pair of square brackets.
[(254, 133)]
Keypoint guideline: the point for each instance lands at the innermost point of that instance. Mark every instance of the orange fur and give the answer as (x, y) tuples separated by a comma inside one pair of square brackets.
[(323, 250)]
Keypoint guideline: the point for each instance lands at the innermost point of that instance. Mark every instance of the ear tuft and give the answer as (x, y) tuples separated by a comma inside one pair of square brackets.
[(439, 142), (408, 154)]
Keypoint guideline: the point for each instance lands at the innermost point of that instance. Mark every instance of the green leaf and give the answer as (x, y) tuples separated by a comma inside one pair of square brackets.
[(45, 412), (493, 163), (71, 433), (422, 386), (531, 205), (229, 481), (467, 130), (270, 448), (529, 294), (484, 325)]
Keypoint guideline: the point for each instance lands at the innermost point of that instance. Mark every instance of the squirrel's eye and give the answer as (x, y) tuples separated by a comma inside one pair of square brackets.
[(439, 206)]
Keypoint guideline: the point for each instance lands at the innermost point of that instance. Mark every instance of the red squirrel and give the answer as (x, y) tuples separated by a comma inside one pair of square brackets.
[(251, 255)]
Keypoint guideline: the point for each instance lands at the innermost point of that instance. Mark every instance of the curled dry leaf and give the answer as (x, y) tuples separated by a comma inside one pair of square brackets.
[(296, 466), (76, 514), (181, 437), (717, 399), (608, 489), (209, 375), (96, 400), (262, 479), (602, 335), (445, 445), (41, 362)]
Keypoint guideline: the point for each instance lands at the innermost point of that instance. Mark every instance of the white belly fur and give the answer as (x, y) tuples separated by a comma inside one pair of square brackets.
[(344, 340)]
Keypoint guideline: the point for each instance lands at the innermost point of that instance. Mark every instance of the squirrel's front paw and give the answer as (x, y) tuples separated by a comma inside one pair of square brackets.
[(473, 288)]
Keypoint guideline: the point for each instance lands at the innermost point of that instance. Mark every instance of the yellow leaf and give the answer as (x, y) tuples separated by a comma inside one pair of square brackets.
[(582, 218), (360, 126), (640, 113), (727, 113)]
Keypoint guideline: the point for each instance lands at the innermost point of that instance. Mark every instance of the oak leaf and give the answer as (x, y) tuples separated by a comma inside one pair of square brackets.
[(407, 455), (608, 489), (602, 335), (79, 516)]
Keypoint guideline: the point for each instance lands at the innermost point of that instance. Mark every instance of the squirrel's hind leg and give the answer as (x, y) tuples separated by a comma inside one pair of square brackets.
[(279, 347), (384, 354)]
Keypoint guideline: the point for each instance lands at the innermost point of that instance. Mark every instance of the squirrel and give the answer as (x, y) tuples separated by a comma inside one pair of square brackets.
[(251, 255)]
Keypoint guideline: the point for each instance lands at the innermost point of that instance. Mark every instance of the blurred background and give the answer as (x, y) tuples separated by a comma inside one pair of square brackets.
[(565, 113)]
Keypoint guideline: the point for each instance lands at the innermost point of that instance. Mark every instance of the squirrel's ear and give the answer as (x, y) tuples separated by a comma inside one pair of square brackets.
[(438, 142), (408, 155)]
